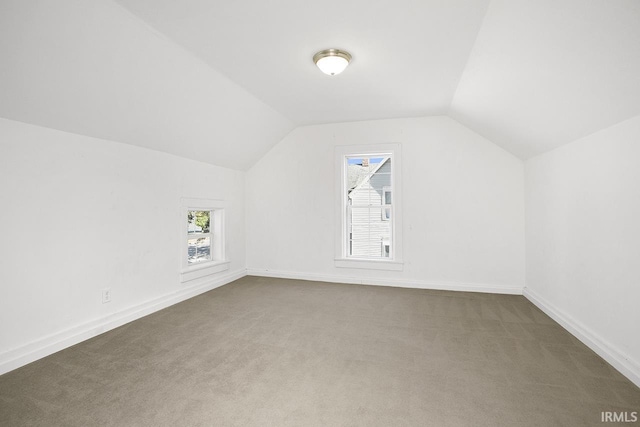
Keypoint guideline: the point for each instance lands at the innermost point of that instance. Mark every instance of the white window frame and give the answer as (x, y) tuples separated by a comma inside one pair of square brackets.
[(342, 259), (219, 261)]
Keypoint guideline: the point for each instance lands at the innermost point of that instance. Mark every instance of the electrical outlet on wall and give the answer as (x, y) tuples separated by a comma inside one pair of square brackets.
[(106, 295)]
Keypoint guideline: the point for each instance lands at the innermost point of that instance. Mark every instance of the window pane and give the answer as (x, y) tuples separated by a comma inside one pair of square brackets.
[(367, 180), (198, 221), (365, 249), (368, 227), (368, 206), (370, 248), (199, 249)]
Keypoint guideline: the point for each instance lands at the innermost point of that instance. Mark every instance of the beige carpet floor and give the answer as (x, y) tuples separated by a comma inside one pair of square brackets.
[(273, 352)]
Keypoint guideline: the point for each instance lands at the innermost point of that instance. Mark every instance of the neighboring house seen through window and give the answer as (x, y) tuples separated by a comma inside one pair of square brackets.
[(368, 192)]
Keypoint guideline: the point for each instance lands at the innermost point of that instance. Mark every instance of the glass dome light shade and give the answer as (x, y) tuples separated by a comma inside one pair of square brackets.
[(332, 61)]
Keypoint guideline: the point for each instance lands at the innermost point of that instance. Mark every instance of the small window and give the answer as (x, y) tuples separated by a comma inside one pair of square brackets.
[(203, 247), (199, 236)]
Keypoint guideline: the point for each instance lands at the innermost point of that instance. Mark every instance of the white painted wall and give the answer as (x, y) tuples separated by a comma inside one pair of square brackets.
[(463, 210), (80, 214), (582, 233)]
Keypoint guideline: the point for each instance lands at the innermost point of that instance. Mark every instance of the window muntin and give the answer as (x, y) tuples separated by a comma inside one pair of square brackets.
[(368, 214)]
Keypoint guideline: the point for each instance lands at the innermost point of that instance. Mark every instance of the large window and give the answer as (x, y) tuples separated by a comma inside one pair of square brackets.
[(203, 244), (368, 191)]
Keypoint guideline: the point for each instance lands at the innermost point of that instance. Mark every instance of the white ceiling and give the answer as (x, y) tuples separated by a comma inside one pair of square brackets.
[(224, 81), (408, 55), (547, 72), (92, 68)]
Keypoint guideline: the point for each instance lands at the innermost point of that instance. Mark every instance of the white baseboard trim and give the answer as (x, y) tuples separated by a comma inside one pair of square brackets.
[(624, 364), (399, 283), (50, 344)]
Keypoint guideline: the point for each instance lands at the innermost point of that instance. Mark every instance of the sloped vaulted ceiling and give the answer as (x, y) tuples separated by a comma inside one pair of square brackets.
[(222, 82), (92, 68), (408, 55), (547, 72)]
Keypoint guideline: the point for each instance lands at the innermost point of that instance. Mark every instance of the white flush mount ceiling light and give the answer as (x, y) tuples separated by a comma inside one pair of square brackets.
[(332, 61)]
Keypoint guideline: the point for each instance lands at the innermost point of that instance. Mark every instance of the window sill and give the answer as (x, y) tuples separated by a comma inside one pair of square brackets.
[(202, 270), (369, 264)]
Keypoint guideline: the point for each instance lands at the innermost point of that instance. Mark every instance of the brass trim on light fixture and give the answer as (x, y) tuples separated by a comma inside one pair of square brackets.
[(331, 52)]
